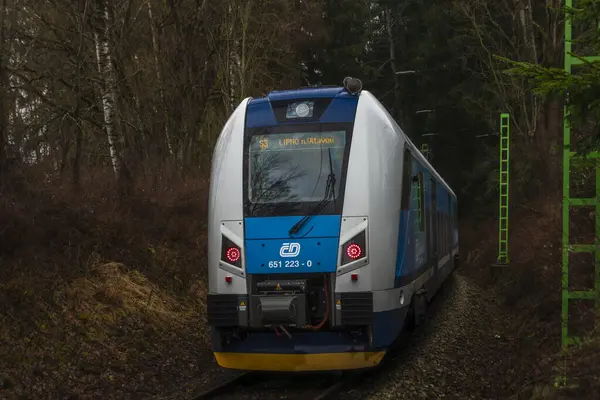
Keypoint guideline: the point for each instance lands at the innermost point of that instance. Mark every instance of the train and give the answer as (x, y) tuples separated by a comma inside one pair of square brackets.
[(329, 232)]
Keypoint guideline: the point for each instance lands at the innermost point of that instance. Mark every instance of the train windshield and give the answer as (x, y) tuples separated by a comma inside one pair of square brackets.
[(289, 171)]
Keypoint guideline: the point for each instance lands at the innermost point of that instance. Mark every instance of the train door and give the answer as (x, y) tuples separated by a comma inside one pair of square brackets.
[(428, 225), (434, 226)]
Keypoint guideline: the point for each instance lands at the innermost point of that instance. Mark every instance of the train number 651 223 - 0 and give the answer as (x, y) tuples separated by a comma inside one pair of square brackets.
[(289, 264)]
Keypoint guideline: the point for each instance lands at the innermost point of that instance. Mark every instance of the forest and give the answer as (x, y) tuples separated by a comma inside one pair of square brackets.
[(109, 112)]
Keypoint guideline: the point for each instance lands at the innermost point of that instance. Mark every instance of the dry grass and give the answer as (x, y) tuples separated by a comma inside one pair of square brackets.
[(113, 293), (102, 298), (99, 333)]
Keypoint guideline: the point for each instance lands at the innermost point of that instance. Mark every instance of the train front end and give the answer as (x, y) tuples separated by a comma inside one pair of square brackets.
[(278, 238)]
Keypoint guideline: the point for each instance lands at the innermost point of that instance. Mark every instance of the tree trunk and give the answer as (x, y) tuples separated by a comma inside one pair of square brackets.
[(397, 109), (108, 91), (76, 177), (232, 57), (78, 127), (144, 139), (159, 79), (3, 91)]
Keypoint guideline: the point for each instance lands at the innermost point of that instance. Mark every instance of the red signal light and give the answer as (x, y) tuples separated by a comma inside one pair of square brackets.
[(233, 254), (228, 279), (354, 251)]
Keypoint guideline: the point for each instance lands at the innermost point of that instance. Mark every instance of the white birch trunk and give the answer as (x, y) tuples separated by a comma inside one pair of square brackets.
[(108, 91), (231, 58), (232, 83)]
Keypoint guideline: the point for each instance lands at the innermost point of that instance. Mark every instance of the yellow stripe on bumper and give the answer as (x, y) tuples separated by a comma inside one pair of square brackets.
[(299, 362)]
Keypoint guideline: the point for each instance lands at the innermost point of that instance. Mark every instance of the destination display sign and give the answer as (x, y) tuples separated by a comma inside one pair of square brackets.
[(300, 140)]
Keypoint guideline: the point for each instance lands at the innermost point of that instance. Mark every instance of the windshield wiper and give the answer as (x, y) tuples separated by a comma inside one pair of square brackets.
[(329, 192)]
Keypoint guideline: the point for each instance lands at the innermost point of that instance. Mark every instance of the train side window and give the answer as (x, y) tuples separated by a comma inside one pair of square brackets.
[(421, 199), (406, 183)]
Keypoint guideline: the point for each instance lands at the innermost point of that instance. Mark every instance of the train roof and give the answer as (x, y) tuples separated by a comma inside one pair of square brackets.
[(327, 92)]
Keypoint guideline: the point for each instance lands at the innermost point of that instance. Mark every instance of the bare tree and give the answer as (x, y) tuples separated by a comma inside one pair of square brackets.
[(156, 52), (108, 89), (520, 30), (81, 93), (3, 91), (389, 23)]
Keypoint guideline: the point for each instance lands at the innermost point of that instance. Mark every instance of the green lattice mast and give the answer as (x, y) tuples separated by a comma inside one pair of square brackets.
[(568, 202), (503, 190)]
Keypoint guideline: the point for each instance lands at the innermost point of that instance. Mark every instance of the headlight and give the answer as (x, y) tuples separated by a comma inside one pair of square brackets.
[(230, 253), (354, 249)]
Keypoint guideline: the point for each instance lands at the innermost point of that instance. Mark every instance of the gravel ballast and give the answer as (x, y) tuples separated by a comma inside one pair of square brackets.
[(463, 350)]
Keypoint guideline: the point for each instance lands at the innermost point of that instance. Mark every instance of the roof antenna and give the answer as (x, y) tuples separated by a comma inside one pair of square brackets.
[(352, 85)]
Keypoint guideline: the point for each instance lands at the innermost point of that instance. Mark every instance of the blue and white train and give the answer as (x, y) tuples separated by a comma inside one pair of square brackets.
[(328, 232)]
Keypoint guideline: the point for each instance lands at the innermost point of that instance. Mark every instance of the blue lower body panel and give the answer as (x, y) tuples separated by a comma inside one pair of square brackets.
[(300, 343), (387, 325), (311, 351)]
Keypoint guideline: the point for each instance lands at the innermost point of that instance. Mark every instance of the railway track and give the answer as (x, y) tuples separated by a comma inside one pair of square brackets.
[(261, 385), (304, 386), (223, 387), (313, 386)]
